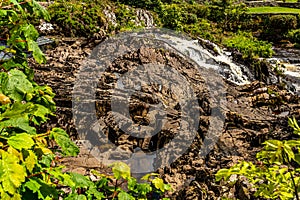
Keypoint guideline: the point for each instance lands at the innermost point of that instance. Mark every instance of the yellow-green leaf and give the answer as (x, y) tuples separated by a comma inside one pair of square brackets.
[(12, 174), (64, 141), (30, 161), (21, 141), (159, 184), (121, 169)]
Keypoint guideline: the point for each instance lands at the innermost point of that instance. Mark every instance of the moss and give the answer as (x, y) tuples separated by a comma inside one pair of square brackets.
[(126, 17), (78, 18)]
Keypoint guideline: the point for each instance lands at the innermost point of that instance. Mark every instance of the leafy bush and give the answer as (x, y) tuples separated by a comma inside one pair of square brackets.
[(176, 16), (126, 18), (276, 27), (276, 174), (146, 4), (286, 22), (294, 35), (78, 18), (228, 13), (28, 164), (249, 46)]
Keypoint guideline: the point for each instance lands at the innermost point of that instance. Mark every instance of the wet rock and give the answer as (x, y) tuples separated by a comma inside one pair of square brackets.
[(255, 112), (145, 18)]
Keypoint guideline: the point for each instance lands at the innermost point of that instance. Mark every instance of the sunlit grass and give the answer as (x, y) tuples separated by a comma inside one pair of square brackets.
[(278, 10)]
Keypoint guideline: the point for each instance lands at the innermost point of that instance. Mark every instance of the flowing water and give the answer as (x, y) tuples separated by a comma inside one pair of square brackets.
[(288, 60)]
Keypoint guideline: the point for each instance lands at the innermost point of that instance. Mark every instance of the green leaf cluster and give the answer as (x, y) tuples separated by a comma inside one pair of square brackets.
[(122, 185), (248, 45), (276, 175), (78, 18), (28, 167)]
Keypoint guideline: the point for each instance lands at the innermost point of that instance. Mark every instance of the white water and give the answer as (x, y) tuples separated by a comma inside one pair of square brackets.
[(221, 62), (291, 72)]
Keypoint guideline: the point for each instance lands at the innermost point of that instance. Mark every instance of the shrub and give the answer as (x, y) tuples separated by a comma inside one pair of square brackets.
[(228, 13), (147, 4), (275, 28), (249, 46), (282, 22), (176, 16), (276, 174), (126, 17), (78, 18), (28, 164), (294, 35)]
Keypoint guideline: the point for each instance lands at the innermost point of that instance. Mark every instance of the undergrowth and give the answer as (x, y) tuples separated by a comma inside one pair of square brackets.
[(28, 165)]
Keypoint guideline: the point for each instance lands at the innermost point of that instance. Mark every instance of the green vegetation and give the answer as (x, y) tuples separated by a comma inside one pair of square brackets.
[(249, 46), (276, 174), (28, 163), (84, 18), (274, 10)]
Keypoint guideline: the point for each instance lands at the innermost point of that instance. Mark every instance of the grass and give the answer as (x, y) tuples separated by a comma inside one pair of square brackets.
[(279, 10)]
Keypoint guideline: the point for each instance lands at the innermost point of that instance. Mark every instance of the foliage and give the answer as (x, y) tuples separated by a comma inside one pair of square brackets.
[(286, 22), (249, 46), (276, 175), (126, 18), (294, 35), (78, 18), (124, 186), (146, 4), (26, 161), (28, 166), (270, 29), (228, 13), (176, 16)]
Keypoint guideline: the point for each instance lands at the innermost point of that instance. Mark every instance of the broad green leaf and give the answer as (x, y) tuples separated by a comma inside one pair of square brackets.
[(132, 183), (17, 85), (47, 160), (12, 174), (20, 123), (64, 178), (18, 110), (159, 184), (81, 181), (64, 141), (94, 192), (41, 114), (36, 51), (144, 189), (125, 196), (3, 13), (46, 191), (30, 32), (37, 8), (121, 169), (147, 176), (32, 184), (15, 152), (21, 141), (30, 161)]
